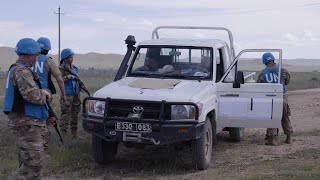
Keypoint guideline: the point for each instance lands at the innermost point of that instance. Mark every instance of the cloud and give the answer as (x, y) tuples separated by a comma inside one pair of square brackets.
[(309, 36), (101, 26), (230, 5), (288, 37), (147, 22), (301, 39), (99, 19)]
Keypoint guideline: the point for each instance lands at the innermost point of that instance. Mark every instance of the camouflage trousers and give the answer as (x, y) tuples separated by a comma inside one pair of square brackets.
[(285, 121), (70, 113), (30, 147), (45, 134)]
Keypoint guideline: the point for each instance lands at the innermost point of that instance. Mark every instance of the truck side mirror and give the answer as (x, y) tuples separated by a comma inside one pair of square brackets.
[(239, 79)]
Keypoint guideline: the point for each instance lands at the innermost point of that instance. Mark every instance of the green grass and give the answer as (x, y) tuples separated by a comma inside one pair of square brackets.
[(74, 160), (314, 132), (8, 152), (302, 164), (71, 157), (304, 80)]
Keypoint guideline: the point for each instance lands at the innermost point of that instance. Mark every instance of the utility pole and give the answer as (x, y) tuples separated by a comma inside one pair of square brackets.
[(59, 42)]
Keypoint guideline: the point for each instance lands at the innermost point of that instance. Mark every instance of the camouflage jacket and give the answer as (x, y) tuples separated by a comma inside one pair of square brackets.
[(24, 80)]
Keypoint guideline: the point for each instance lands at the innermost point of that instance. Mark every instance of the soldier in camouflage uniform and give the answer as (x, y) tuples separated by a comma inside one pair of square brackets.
[(25, 105), (270, 75), (45, 67), (71, 108)]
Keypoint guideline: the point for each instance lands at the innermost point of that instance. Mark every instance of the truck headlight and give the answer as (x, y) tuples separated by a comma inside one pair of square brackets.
[(184, 111), (96, 108)]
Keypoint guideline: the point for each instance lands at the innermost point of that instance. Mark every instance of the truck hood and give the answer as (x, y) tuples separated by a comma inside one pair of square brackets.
[(171, 90)]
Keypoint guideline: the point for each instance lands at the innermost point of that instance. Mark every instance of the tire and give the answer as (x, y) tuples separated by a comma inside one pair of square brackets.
[(214, 133), (202, 148), (103, 152), (236, 134)]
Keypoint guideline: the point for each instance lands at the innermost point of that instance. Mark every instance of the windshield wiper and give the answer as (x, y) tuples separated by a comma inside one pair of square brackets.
[(167, 75), (145, 74), (180, 76)]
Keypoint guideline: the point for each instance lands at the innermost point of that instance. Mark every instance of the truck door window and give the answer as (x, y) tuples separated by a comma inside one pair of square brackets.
[(250, 64), (230, 76)]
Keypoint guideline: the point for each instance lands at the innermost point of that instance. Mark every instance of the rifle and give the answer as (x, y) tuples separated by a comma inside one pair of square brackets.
[(51, 111), (81, 84), (53, 114)]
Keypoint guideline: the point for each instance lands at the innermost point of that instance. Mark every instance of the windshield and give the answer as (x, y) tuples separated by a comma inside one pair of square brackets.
[(172, 62)]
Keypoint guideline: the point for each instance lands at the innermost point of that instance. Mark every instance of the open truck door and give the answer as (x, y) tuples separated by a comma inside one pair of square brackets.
[(241, 102)]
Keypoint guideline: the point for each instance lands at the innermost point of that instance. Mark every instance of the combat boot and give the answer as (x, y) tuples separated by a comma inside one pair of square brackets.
[(289, 139), (271, 141)]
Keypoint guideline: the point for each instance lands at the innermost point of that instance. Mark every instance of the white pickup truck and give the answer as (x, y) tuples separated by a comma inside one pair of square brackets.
[(178, 91)]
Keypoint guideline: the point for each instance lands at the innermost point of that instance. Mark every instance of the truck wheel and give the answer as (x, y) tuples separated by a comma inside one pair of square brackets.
[(214, 133), (236, 134), (202, 148), (103, 152)]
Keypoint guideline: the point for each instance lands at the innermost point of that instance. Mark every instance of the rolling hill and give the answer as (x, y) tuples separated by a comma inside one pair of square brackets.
[(107, 61), (89, 60)]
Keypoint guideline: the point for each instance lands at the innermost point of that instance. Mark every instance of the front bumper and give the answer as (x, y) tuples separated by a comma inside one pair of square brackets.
[(163, 131)]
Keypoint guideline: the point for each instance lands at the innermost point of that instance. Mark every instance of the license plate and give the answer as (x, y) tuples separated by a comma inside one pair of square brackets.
[(133, 127)]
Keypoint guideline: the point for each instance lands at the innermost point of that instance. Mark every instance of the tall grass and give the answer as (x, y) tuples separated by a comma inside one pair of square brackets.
[(62, 159), (304, 80)]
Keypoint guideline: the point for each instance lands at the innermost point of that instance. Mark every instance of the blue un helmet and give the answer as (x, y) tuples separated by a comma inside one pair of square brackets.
[(267, 57), (66, 53), (28, 46), (44, 43)]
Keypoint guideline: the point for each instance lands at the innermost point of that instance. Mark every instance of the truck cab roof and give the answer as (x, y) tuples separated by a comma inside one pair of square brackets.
[(214, 43)]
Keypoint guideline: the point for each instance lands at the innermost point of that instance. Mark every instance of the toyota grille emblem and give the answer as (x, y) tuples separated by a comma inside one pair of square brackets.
[(137, 109)]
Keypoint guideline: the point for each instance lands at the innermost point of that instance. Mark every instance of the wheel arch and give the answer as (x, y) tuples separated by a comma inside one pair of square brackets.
[(212, 117)]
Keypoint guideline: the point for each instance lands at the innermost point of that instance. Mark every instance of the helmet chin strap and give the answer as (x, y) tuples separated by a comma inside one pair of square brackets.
[(44, 52)]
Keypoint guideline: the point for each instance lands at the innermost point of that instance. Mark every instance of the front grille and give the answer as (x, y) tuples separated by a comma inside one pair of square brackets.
[(122, 108)]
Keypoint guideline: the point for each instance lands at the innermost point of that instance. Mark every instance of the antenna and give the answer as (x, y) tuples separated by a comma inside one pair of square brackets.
[(59, 50)]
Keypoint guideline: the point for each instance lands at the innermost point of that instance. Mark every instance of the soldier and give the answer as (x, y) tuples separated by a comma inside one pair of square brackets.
[(71, 108), (50, 69), (270, 75), (45, 67), (151, 64), (25, 105)]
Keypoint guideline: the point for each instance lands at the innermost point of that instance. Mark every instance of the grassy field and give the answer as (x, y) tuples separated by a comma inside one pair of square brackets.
[(74, 161)]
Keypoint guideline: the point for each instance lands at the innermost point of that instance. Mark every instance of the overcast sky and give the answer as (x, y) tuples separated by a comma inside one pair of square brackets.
[(102, 25)]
